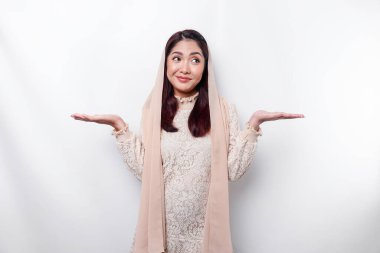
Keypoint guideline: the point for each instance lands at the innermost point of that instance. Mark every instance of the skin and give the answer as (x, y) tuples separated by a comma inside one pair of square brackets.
[(185, 60)]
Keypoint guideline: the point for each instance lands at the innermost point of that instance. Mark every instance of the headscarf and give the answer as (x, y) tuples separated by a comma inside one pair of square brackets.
[(151, 231)]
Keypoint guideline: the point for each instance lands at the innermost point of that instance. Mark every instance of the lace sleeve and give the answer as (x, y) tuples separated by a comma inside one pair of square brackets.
[(242, 145), (132, 150)]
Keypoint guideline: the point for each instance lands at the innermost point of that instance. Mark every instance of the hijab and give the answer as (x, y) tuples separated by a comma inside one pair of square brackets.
[(151, 231)]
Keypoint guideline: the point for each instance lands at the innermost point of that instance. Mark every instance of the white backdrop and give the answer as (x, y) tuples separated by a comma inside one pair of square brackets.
[(314, 184)]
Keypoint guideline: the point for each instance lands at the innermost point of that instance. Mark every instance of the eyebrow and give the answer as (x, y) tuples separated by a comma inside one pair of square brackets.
[(192, 53)]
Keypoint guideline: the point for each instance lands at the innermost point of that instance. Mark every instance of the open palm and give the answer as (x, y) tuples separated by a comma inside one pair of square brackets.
[(108, 119), (261, 116)]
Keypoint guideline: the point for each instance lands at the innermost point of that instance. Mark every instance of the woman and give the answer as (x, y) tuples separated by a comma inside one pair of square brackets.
[(191, 146)]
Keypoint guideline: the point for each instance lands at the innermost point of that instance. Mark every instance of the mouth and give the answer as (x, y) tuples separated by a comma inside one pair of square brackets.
[(183, 79)]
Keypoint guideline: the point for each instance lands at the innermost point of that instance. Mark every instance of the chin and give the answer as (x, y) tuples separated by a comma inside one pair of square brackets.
[(183, 89)]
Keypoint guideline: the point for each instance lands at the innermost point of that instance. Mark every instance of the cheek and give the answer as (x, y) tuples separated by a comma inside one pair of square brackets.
[(169, 66), (199, 73), (170, 71)]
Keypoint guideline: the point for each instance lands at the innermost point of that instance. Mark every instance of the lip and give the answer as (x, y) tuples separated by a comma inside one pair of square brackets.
[(183, 79)]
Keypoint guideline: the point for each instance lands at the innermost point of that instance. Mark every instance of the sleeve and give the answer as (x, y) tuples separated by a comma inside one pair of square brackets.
[(132, 150), (242, 145)]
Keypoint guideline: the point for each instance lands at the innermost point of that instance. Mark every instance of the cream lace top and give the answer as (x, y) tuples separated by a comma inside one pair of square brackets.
[(187, 165)]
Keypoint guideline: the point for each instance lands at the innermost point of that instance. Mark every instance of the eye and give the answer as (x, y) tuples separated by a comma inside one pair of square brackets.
[(175, 57), (196, 60)]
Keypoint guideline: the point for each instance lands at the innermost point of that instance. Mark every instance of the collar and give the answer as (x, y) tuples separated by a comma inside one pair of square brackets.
[(187, 99)]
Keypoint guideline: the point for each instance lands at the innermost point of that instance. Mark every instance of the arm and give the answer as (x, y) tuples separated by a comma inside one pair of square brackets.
[(129, 144), (242, 145), (132, 150)]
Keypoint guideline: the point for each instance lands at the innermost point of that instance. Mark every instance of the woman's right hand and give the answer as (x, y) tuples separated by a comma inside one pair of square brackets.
[(108, 119)]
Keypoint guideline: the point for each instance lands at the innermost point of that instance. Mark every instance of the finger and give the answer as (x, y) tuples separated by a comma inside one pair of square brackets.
[(292, 116), (79, 116), (278, 115), (76, 115), (283, 115)]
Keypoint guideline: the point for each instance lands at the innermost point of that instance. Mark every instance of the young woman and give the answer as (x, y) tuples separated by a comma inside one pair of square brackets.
[(191, 146)]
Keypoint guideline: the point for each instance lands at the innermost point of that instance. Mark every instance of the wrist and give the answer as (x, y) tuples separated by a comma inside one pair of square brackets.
[(118, 125), (255, 124)]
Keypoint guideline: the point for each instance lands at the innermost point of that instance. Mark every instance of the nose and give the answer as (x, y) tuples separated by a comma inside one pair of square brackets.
[(185, 68)]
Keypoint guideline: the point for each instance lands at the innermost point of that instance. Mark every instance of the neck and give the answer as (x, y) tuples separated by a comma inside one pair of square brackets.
[(185, 95), (186, 102), (188, 97)]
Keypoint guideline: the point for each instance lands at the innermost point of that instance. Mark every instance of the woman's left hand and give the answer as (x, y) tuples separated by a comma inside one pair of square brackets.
[(261, 116)]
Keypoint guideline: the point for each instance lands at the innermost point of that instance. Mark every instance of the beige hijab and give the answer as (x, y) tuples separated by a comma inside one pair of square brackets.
[(151, 230)]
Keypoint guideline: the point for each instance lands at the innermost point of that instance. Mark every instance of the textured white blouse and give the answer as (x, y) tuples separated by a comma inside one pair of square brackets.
[(187, 165)]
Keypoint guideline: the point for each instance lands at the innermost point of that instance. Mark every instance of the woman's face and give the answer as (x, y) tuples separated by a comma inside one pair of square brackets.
[(185, 64)]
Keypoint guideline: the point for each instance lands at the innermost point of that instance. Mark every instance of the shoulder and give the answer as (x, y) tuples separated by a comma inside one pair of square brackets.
[(229, 106), (230, 110), (226, 103)]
